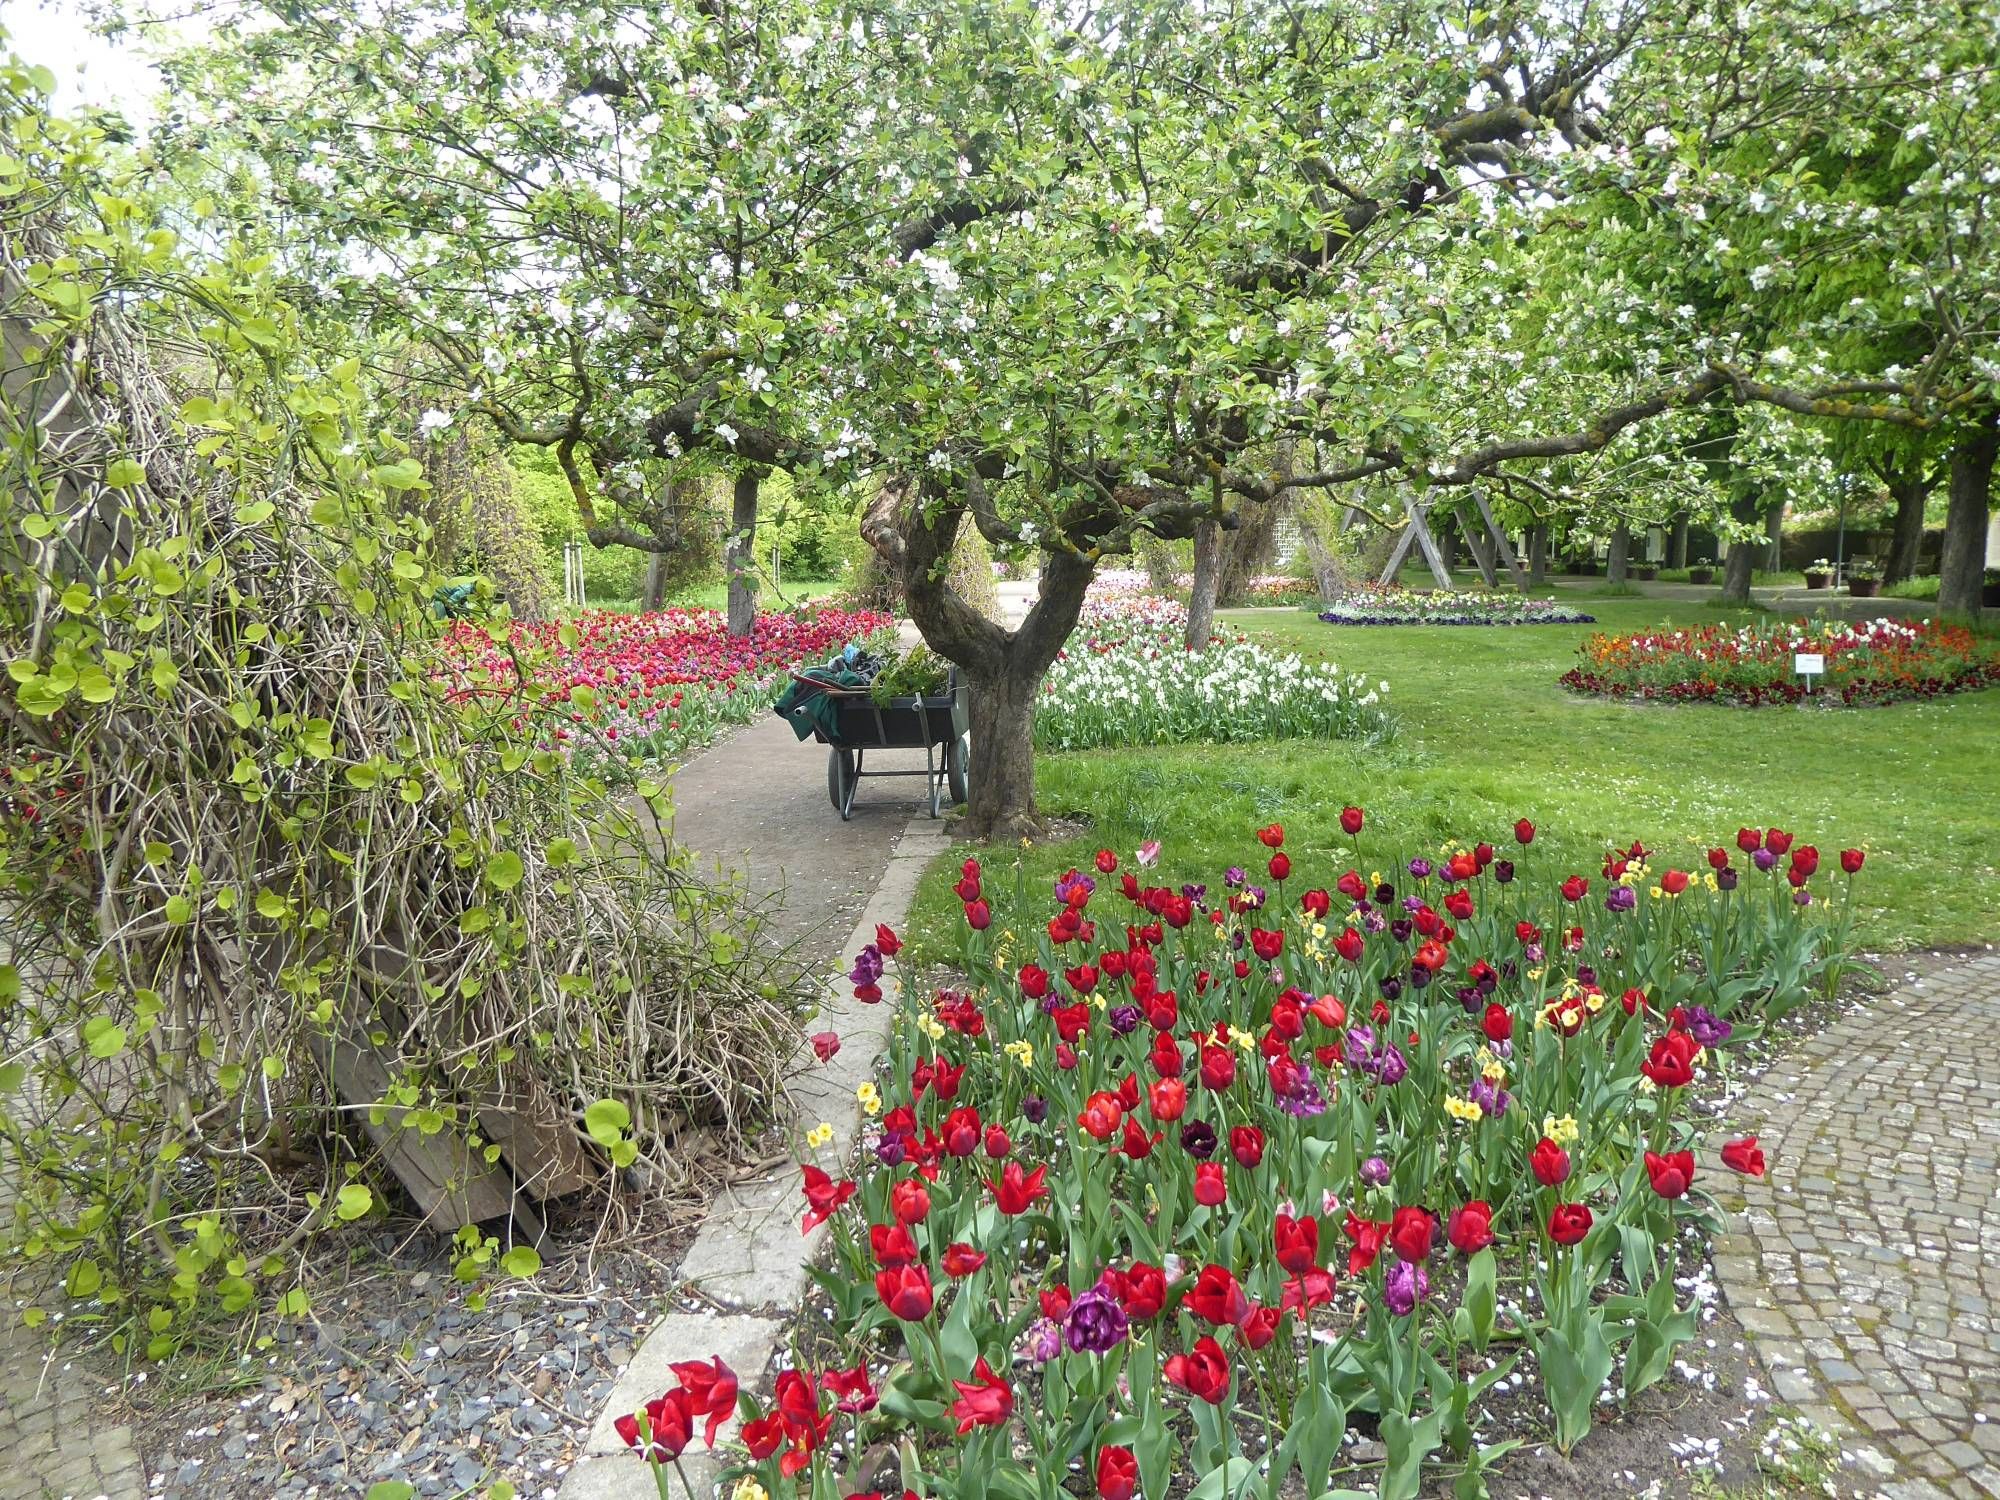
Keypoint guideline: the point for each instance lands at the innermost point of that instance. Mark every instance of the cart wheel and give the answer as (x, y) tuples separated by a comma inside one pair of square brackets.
[(957, 768), (840, 780)]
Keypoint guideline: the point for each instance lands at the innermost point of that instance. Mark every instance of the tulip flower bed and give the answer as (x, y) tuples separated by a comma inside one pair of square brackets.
[(645, 687), (1872, 661), (1189, 1180), (1126, 678), (1391, 604)]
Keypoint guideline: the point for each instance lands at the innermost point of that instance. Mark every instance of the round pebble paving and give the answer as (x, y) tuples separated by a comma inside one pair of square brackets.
[(1866, 1264)]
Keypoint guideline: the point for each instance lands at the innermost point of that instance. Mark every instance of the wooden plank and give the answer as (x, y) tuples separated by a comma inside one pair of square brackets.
[(450, 1184), (1416, 514), (1500, 541), (1482, 549), (536, 1140), (1396, 555)]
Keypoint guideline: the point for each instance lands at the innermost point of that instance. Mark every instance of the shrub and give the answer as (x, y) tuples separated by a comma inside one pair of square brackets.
[(282, 912)]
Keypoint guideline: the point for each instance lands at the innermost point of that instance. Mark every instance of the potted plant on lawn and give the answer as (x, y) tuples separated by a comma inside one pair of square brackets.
[(1864, 577), (1646, 572), (1701, 573), (1989, 588), (1819, 573)]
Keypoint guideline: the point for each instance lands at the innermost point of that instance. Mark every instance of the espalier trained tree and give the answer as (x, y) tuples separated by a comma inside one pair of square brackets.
[(1075, 275)]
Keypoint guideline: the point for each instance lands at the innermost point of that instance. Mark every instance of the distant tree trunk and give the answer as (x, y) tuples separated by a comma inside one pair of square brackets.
[(1911, 489), (1677, 542), (1446, 537), (1774, 529), (1961, 571), (1619, 554), (1201, 597), (1538, 554), (1741, 561), (1328, 577), (1251, 548), (739, 556), (653, 592)]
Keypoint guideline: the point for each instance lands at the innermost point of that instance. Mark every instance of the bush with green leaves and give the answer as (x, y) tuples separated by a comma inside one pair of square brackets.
[(277, 907)]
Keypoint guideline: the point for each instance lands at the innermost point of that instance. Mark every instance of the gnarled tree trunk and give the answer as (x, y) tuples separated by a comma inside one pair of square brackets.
[(1538, 554), (1961, 572), (739, 559), (913, 528)]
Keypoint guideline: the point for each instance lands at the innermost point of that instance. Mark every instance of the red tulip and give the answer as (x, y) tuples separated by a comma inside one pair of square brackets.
[(910, 1201), (1851, 861), (1743, 1156), (825, 1045), (1101, 1117), (1368, 1236), (1107, 862), (1211, 1188), (1575, 888), (905, 1291), (1524, 832), (1218, 1067), (1410, 1232), (893, 1245), (1203, 1371), (852, 1390), (1777, 841), (1749, 840), (1350, 820), (1497, 1022), (824, 1197), (1261, 1326), (1549, 1162), (1117, 1473), (961, 1259), (977, 916), (1272, 837), (661, 1431), (711, 1391), (1470, 1228), (1297, 1243), (1016, 1192), (984, 1401), (1670, 1173), (1217, 1297), (1280, 866), (887, 941), (1246, 1144), (1568, 1223), (1349, 945), (1674, 882), (1671, 1063), (1141, 1291), (1034, 981)]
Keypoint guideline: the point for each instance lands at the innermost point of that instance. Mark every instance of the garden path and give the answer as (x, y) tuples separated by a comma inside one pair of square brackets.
[(756, 804), (44, 1402), (1837, 603), (1866, 1266)]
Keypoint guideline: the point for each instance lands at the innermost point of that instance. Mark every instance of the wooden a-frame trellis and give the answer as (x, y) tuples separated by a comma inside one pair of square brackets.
[(1488, 543)]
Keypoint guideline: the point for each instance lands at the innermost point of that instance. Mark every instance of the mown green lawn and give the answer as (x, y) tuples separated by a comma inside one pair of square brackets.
[(1487, 737)]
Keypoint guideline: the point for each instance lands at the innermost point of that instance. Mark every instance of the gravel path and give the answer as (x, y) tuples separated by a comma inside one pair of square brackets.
[(1867, 1265)]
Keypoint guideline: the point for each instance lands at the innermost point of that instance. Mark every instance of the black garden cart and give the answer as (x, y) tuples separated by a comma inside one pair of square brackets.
[(935, 723)]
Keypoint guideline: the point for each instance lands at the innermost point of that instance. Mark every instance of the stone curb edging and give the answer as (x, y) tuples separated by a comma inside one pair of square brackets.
[(749, 1255)]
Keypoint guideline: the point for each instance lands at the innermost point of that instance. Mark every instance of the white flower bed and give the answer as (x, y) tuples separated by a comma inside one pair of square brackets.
[(1144, 689)]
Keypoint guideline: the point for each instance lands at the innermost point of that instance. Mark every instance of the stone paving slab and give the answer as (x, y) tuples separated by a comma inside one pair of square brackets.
[(1865, 1267), (54, 1441), (749, 1255)]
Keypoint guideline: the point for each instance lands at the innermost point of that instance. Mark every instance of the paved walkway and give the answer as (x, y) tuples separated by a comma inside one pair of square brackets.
[(1866, 1266), (55, 1443), (756, 804)]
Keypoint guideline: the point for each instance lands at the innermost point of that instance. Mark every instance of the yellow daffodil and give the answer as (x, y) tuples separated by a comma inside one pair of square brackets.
[(1563, 1132), (1462, 1109), (1319, 929), (930, 1026), (819, 1135), (749, 1489), (870, 1099), (1022, 1053)]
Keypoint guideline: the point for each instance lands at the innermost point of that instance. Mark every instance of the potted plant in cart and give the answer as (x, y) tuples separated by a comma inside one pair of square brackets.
[(1864, 577), (1819, 573), (1701, 573)]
